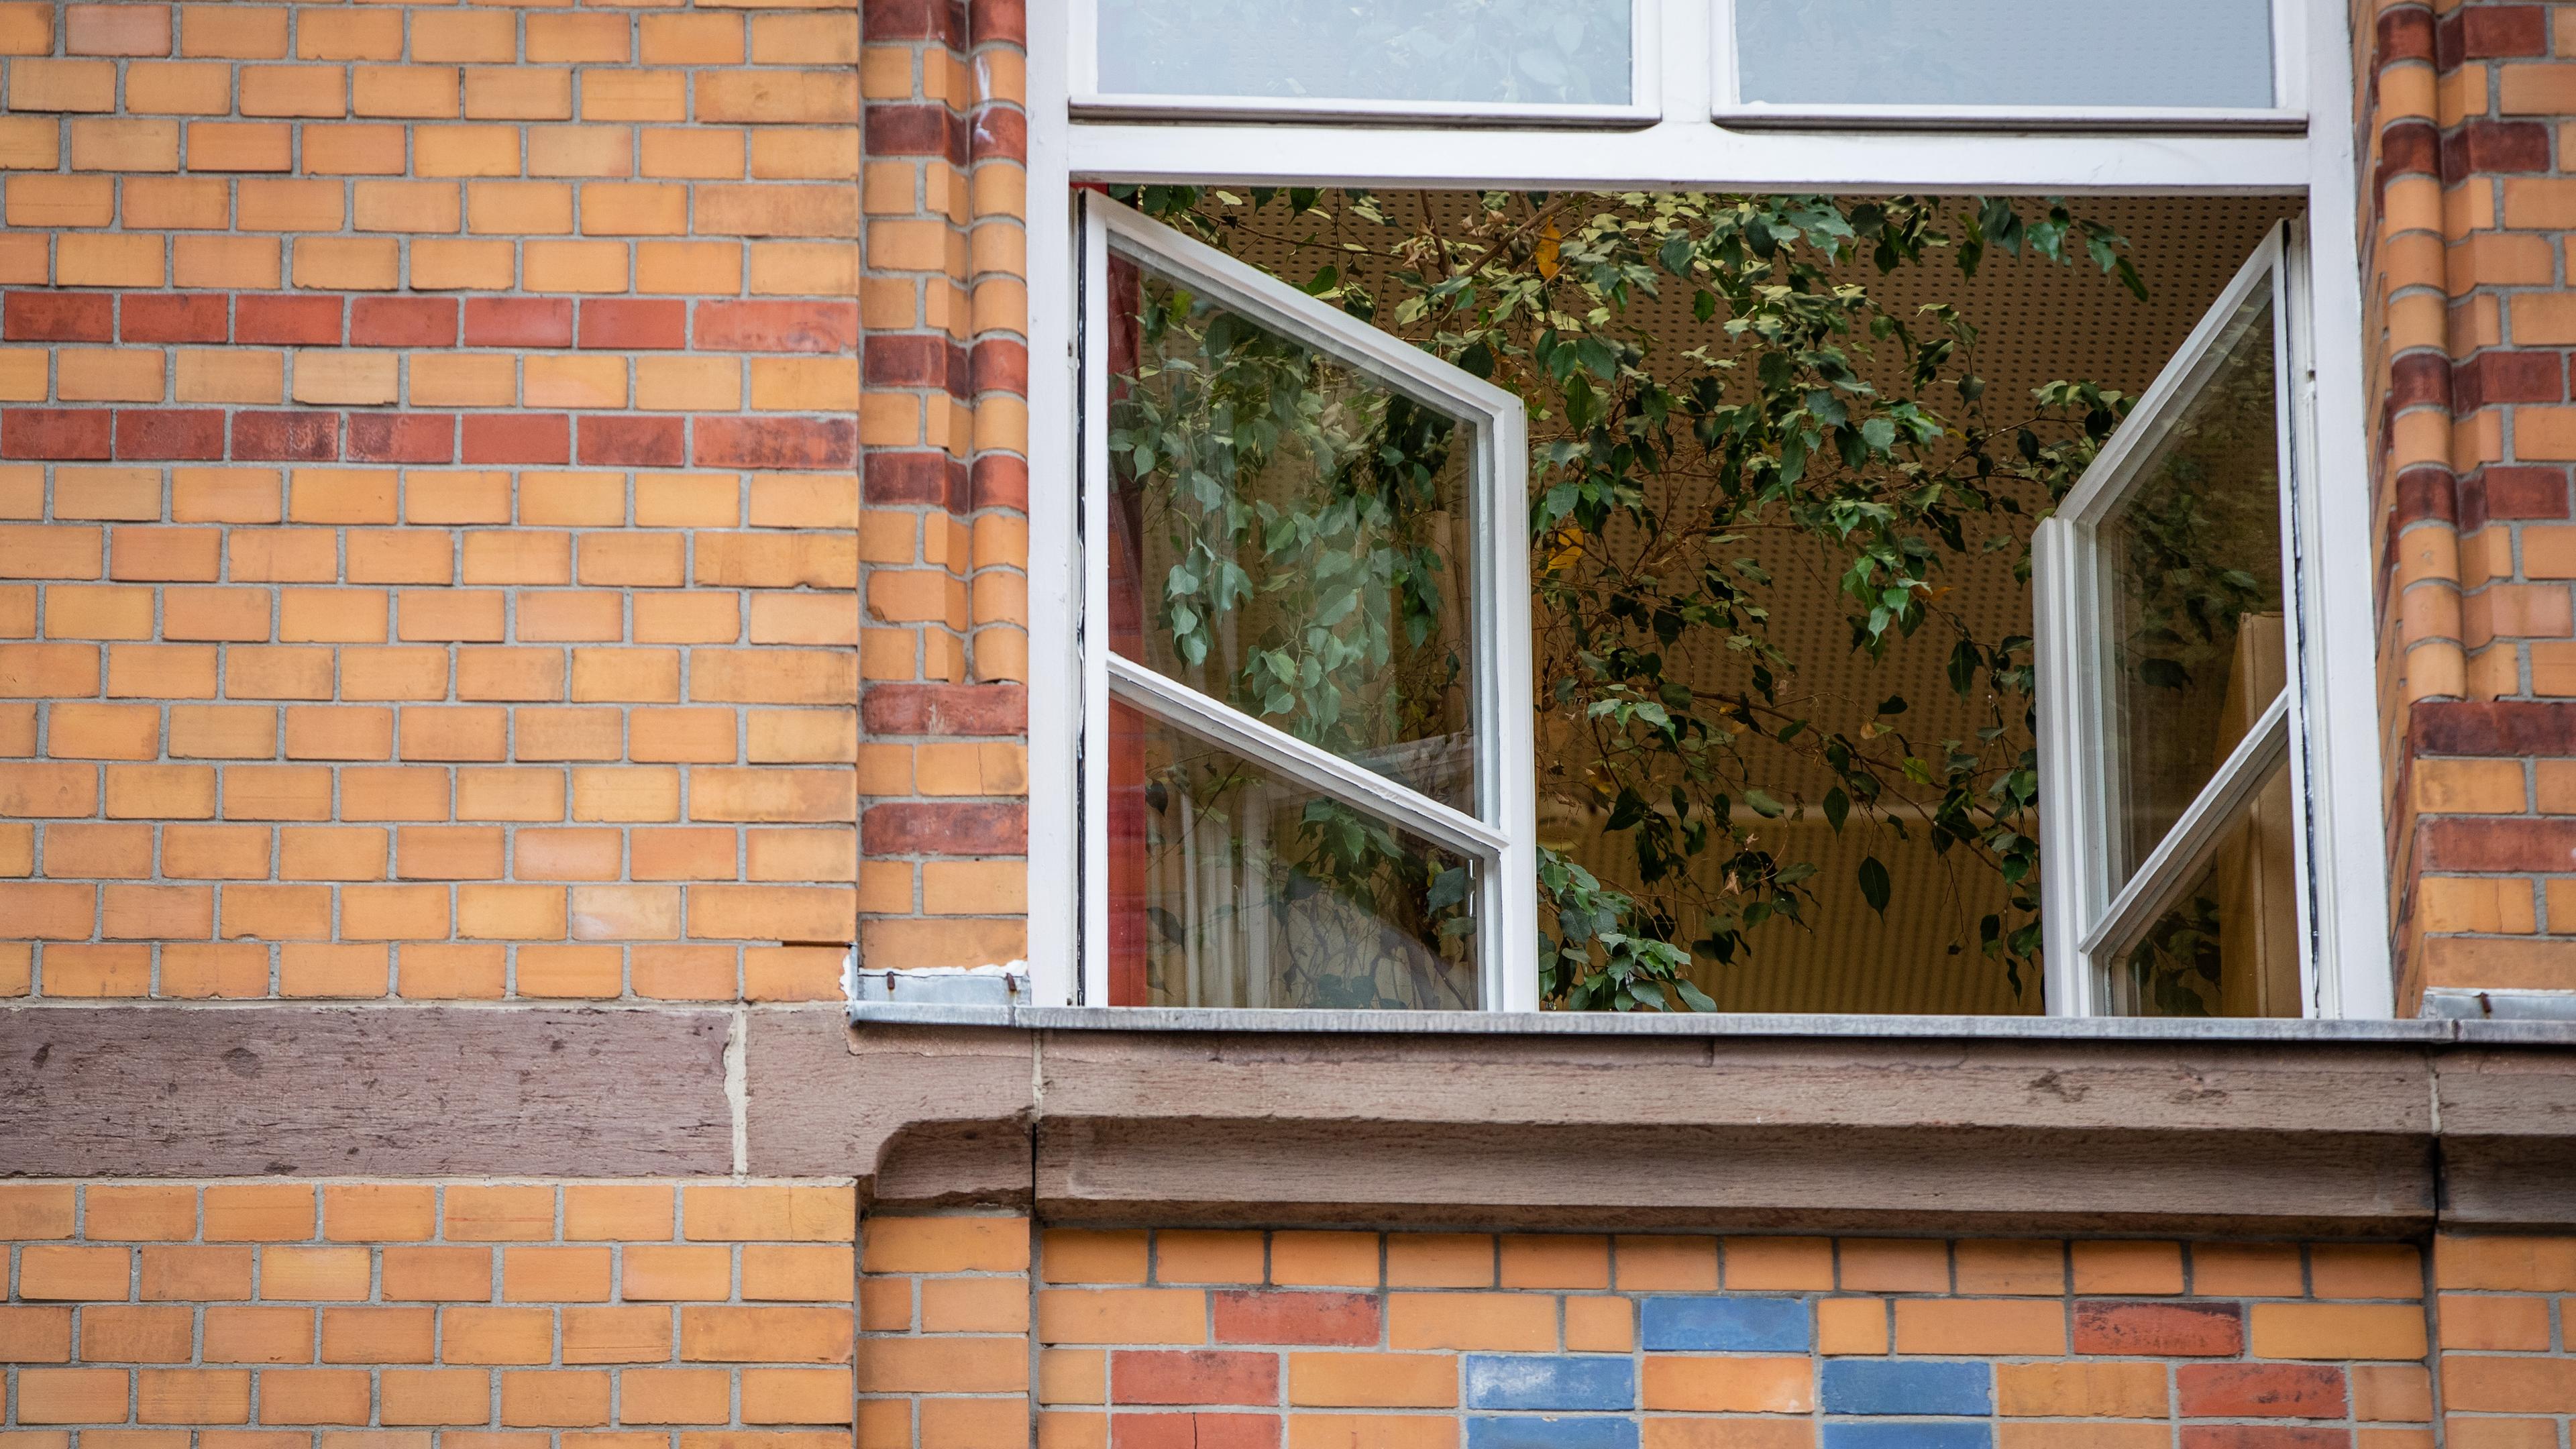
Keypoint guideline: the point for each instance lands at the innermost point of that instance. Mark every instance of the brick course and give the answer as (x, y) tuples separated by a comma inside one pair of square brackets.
[(433, 553)]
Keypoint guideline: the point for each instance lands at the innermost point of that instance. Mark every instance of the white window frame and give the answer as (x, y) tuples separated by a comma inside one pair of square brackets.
[(1501, 836), (2288, 111), (2086, 915), (1685, 150), (1088, 100)]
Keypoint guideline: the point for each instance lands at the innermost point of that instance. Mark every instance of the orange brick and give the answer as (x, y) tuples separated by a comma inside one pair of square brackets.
[(2081, 1390), (1510, 1322), (242, 1333), (1325, 1259), (1851, 1325), (1076, 1255), (1373, 1380), (1122, 1315), (1735, 1385), (720, 1334), (437, 1274), (378, 1212), (2127, 1267), (1188, 1256), (473, 1335), (945, 1245), (379, 1335), (1555, 1261), (2338, 1331), (265, 1213), (1987, 1326), (138, 1211)]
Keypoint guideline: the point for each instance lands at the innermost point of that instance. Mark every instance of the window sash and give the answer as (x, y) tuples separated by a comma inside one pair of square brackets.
[(1502, 833), (2083, 915)]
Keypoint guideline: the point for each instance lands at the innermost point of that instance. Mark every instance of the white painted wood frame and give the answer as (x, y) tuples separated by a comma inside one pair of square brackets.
[(2308, 151)]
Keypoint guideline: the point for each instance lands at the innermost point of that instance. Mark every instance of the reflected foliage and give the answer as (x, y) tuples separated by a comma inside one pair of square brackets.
[(1675, 482)]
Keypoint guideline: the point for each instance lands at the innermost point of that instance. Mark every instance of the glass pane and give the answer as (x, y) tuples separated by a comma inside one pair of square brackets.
[(1230, 885), (1289, 535), (2227, 944), (1478, 52), (2005, 52), (2191, 566)]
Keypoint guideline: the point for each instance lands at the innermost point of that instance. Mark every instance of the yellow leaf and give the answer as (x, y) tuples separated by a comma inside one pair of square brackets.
[(1547, 263)]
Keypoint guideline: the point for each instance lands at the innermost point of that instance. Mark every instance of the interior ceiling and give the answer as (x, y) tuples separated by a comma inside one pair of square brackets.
[(2037, 321)]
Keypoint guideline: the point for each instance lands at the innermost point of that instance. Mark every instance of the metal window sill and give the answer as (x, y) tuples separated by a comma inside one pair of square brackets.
[(1652, 1024)]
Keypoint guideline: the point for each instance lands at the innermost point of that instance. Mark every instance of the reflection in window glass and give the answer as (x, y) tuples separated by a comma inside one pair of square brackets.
[(1478, 52), (2005, 53), (2227, 943), (1288, 536), (2191, 557), (1230, 885)]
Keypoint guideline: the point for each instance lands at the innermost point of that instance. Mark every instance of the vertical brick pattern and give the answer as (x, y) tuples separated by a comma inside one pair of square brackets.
[(430, 502), (944, 1332), (1478, 1341), (2463, 118), (943, 535), (289, 1314), (2504, 1315)]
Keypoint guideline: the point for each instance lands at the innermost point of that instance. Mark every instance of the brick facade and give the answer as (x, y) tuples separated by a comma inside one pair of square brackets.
[(2466, 326), (513, 522)]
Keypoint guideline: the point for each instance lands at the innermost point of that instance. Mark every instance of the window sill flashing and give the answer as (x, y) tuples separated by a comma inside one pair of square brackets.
[(2438, 1031)]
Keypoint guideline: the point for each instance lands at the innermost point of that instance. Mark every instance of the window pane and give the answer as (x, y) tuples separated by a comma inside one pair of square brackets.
[(1288, 536), (2005, 53), (1479, 52), (2191, 564), (1231, 885), (2227, 943)]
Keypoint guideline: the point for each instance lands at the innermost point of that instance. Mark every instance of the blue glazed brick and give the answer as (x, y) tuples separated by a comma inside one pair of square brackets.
[(1531, 1381), (1953, 1435), (1727, 1325), (1538, 1433), (1906, 1386)]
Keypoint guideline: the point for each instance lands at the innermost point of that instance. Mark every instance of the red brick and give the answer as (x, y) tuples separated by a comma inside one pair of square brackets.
[(56, 317), (402, 438), (1001, 365), (777, 326), (2263, 1436), (517, 438), (2456, 844), (915, 360), (734, 442), (2488, 31), (634, 442), (169, 434), (2493, 727), (287, 321), (65, 433), (1287, 1317), (2260, 1391), (295, 437), (402, 322), (1152, 1376), (937, 828), (517, 322), (1194, 1431), (627, 323), (2159, 1330), (945, 709), (174, 317)]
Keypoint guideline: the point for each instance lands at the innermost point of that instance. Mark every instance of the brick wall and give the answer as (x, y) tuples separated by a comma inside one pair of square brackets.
[(2505, 1311), (2467, 324), (435, 562), (943, 1323), (501, 1315), (1692, 1342)]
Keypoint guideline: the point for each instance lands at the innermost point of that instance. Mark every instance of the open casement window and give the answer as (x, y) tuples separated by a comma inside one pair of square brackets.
[(1305, 646), (2174, 845)]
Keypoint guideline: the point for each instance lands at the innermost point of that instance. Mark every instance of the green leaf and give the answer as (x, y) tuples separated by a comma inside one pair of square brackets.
[(1874, 884)]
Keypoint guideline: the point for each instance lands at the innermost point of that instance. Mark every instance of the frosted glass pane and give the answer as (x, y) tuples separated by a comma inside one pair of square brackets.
[(1481, 52), (2005, 52)]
